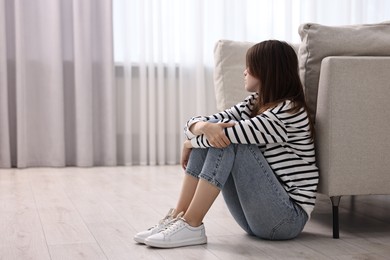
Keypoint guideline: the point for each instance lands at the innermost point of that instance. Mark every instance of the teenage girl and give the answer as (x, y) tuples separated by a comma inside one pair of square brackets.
[(259, 153)]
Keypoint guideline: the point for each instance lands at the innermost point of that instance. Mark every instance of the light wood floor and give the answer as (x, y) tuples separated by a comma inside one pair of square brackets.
[(93, 213)]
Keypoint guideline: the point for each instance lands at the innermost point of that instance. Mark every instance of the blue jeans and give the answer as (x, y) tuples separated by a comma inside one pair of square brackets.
[(252, 192)]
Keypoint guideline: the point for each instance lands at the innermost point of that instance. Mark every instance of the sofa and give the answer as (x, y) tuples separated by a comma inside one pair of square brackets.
[(345, 71)]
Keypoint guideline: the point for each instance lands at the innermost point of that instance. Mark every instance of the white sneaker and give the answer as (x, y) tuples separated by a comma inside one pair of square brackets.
[(178, 234), (162, 224)]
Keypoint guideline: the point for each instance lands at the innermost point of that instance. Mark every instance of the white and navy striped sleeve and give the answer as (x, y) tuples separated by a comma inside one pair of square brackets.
[(262, 129), (265, 128), (235, 113)]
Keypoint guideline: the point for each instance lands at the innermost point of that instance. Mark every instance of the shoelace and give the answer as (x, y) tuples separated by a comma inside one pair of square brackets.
[(165, 220), (168, 217), (174, 225)]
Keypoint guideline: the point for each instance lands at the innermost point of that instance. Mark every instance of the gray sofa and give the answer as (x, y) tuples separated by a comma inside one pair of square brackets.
[(346, 75)]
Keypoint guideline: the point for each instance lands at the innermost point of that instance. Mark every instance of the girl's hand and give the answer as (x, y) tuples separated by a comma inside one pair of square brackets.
[(215, 134), (185, 155)]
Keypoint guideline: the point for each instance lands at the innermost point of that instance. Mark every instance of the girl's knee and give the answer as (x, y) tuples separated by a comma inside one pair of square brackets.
[(199, 153), (196, 161)]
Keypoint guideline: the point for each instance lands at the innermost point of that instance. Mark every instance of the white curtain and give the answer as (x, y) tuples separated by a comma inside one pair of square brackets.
[(57, 94), (63, 101), (164, 58)]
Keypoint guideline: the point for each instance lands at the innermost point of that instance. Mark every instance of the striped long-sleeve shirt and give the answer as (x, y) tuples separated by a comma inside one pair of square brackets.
[(283, 137)]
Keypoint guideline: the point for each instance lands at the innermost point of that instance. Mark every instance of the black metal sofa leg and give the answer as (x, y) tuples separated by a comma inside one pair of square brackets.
[(335, 209)]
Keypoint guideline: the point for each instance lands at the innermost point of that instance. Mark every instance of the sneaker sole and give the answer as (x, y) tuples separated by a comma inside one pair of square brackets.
[(192, 242), (139, 240)]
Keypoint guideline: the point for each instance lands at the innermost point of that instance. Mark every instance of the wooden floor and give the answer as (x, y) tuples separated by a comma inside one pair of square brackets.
[(93, 213)]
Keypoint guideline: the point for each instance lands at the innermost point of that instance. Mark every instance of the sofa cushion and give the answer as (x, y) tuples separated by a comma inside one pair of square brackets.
[(229, 57), (319, 41)]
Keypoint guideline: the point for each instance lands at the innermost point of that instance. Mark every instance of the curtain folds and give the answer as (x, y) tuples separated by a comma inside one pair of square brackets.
[(160, 82), (5, 151), (57, 83), (164, 59), (67, 100)]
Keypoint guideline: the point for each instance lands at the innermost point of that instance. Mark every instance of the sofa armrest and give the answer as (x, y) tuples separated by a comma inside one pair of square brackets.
[(353, 126)]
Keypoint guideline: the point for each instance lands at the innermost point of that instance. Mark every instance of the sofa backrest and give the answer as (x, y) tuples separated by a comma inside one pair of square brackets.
[(318, 42)]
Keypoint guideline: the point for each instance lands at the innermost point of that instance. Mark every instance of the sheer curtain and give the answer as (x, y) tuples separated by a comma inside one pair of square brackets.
[(64, 102), (164, 58), (57, 94)]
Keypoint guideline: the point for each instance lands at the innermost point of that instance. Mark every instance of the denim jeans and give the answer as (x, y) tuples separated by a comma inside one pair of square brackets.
[(252, 192)]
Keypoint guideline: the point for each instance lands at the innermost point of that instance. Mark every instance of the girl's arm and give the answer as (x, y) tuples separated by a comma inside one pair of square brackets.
[(257, 130), (235, 113), (213, 132), (262, 129)]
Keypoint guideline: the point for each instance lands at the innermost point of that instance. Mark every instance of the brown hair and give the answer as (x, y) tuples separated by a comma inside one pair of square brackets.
[(275, 64)]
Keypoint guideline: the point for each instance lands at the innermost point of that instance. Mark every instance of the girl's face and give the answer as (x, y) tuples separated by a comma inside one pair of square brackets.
[(252, 84)]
